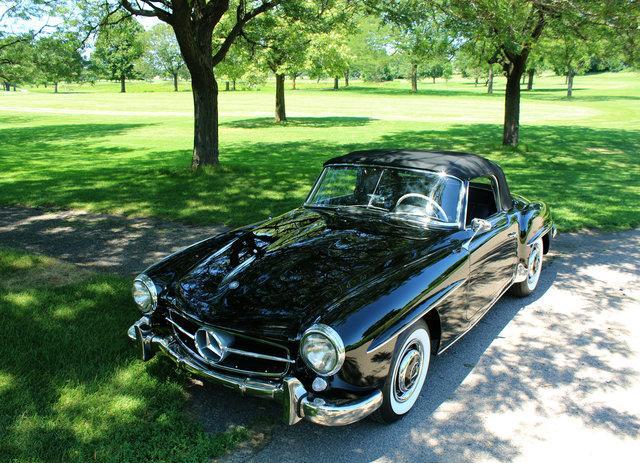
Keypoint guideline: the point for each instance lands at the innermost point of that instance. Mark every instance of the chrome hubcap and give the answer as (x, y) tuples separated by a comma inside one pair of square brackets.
[(535, 264), (409, 370)]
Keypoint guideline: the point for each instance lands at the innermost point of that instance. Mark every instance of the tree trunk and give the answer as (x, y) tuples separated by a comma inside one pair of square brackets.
[(476, 82), (233, 85), (6, 86), (293, 82), (175, 82), (318, 81), (281, 114), (511, 130), (205, 107), (55, 87), (570, 75), (530, 81), (490, 80), (434, 80), (336, 83), (227, 86), (346, 78), (414, 77), (523, 78), (123, 88), (15, 87)]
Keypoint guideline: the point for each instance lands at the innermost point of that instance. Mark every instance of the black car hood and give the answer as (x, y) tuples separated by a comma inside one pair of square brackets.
[(277, 278)]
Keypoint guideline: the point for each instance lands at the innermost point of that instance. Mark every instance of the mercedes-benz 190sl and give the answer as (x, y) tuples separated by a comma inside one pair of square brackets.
[(335, 308)]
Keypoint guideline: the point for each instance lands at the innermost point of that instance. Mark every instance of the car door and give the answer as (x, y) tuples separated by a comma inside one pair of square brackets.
[(492, 253)]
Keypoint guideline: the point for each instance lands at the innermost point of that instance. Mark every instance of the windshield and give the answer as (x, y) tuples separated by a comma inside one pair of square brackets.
[(418, 196)]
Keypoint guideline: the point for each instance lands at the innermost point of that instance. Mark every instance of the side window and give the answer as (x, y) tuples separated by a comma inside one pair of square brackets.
[(483, 198)]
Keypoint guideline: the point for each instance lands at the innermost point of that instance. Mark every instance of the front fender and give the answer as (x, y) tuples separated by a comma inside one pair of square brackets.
[(534, 221), (371, 322)]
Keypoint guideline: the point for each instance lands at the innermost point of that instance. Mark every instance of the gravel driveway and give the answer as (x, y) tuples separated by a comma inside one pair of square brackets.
[(555, 376)]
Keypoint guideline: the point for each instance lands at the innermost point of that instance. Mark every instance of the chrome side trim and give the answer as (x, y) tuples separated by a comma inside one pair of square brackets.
[(453, 287), (484, 312)]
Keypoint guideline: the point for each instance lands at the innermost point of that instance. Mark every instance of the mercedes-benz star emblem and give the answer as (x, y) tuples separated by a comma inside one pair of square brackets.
[(212, 345)]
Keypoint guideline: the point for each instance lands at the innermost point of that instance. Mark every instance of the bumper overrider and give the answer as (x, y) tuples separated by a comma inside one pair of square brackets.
[(289, 392)]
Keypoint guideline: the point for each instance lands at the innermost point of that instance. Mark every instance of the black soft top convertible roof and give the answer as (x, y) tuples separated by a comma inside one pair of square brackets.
[(465, 166)]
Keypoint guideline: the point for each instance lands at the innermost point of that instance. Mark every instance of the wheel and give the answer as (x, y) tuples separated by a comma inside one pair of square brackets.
[(407, 373), (534, 267)]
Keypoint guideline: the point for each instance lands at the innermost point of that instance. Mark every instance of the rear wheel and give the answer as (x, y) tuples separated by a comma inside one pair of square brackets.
[(534, 268), (407, 373)]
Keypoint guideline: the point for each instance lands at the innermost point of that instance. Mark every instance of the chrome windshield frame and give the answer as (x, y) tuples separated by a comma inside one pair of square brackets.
[(461, 206)]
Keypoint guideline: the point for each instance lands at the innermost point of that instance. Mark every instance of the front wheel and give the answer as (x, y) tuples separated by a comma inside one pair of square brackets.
[(407, 373), (534, 268)]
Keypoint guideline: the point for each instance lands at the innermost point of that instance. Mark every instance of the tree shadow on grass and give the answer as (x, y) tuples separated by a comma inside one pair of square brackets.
[(308, 122), (587, 176), (70, 387)]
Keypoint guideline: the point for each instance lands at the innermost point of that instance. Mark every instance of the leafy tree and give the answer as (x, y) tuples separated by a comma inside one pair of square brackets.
[(367, 45), (282, 36), (194, 23), (280, 39), (118, 46), (419, 34), (57, 58), (329, 55), (163, 55), (567, 56), (16, 61), (513, 28)]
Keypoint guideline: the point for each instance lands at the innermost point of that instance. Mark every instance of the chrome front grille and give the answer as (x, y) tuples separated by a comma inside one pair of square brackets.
[(229, 351)]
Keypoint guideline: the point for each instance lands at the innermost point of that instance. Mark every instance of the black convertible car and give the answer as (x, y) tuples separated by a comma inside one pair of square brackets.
[(335, 308)]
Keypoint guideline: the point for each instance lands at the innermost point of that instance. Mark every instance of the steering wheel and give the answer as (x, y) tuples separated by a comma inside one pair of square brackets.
[(440, 213)]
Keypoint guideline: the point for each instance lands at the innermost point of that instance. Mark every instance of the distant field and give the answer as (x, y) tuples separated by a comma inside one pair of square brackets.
[(93, 148)]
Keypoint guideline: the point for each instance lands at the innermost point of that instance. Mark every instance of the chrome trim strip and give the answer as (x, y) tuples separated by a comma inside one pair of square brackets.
[(181, 329), (231, 350), (454, 286), (484, 312), (543, 231)]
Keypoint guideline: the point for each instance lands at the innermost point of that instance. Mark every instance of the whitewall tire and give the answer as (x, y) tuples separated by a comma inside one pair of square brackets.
[(407, 373), (534, 268)]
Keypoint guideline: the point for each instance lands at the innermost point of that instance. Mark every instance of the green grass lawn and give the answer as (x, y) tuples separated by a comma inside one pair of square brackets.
[(71, 389), (96, 149)]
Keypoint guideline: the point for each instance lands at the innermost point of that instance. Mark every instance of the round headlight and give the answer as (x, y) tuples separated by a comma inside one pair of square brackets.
[(322, 350), (144, 293)]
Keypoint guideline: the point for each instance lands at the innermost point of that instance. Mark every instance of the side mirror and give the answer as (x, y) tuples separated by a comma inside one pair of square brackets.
[(480, 225)]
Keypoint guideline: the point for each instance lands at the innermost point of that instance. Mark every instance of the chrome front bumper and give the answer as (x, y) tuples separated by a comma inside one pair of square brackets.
[(290, 392)]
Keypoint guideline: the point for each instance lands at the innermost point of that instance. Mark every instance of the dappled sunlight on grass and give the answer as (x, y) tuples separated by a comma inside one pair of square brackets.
[(70, 387)]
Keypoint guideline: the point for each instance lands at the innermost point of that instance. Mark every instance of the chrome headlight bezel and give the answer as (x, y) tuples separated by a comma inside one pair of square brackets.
[(334, 340), (150, 286)]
